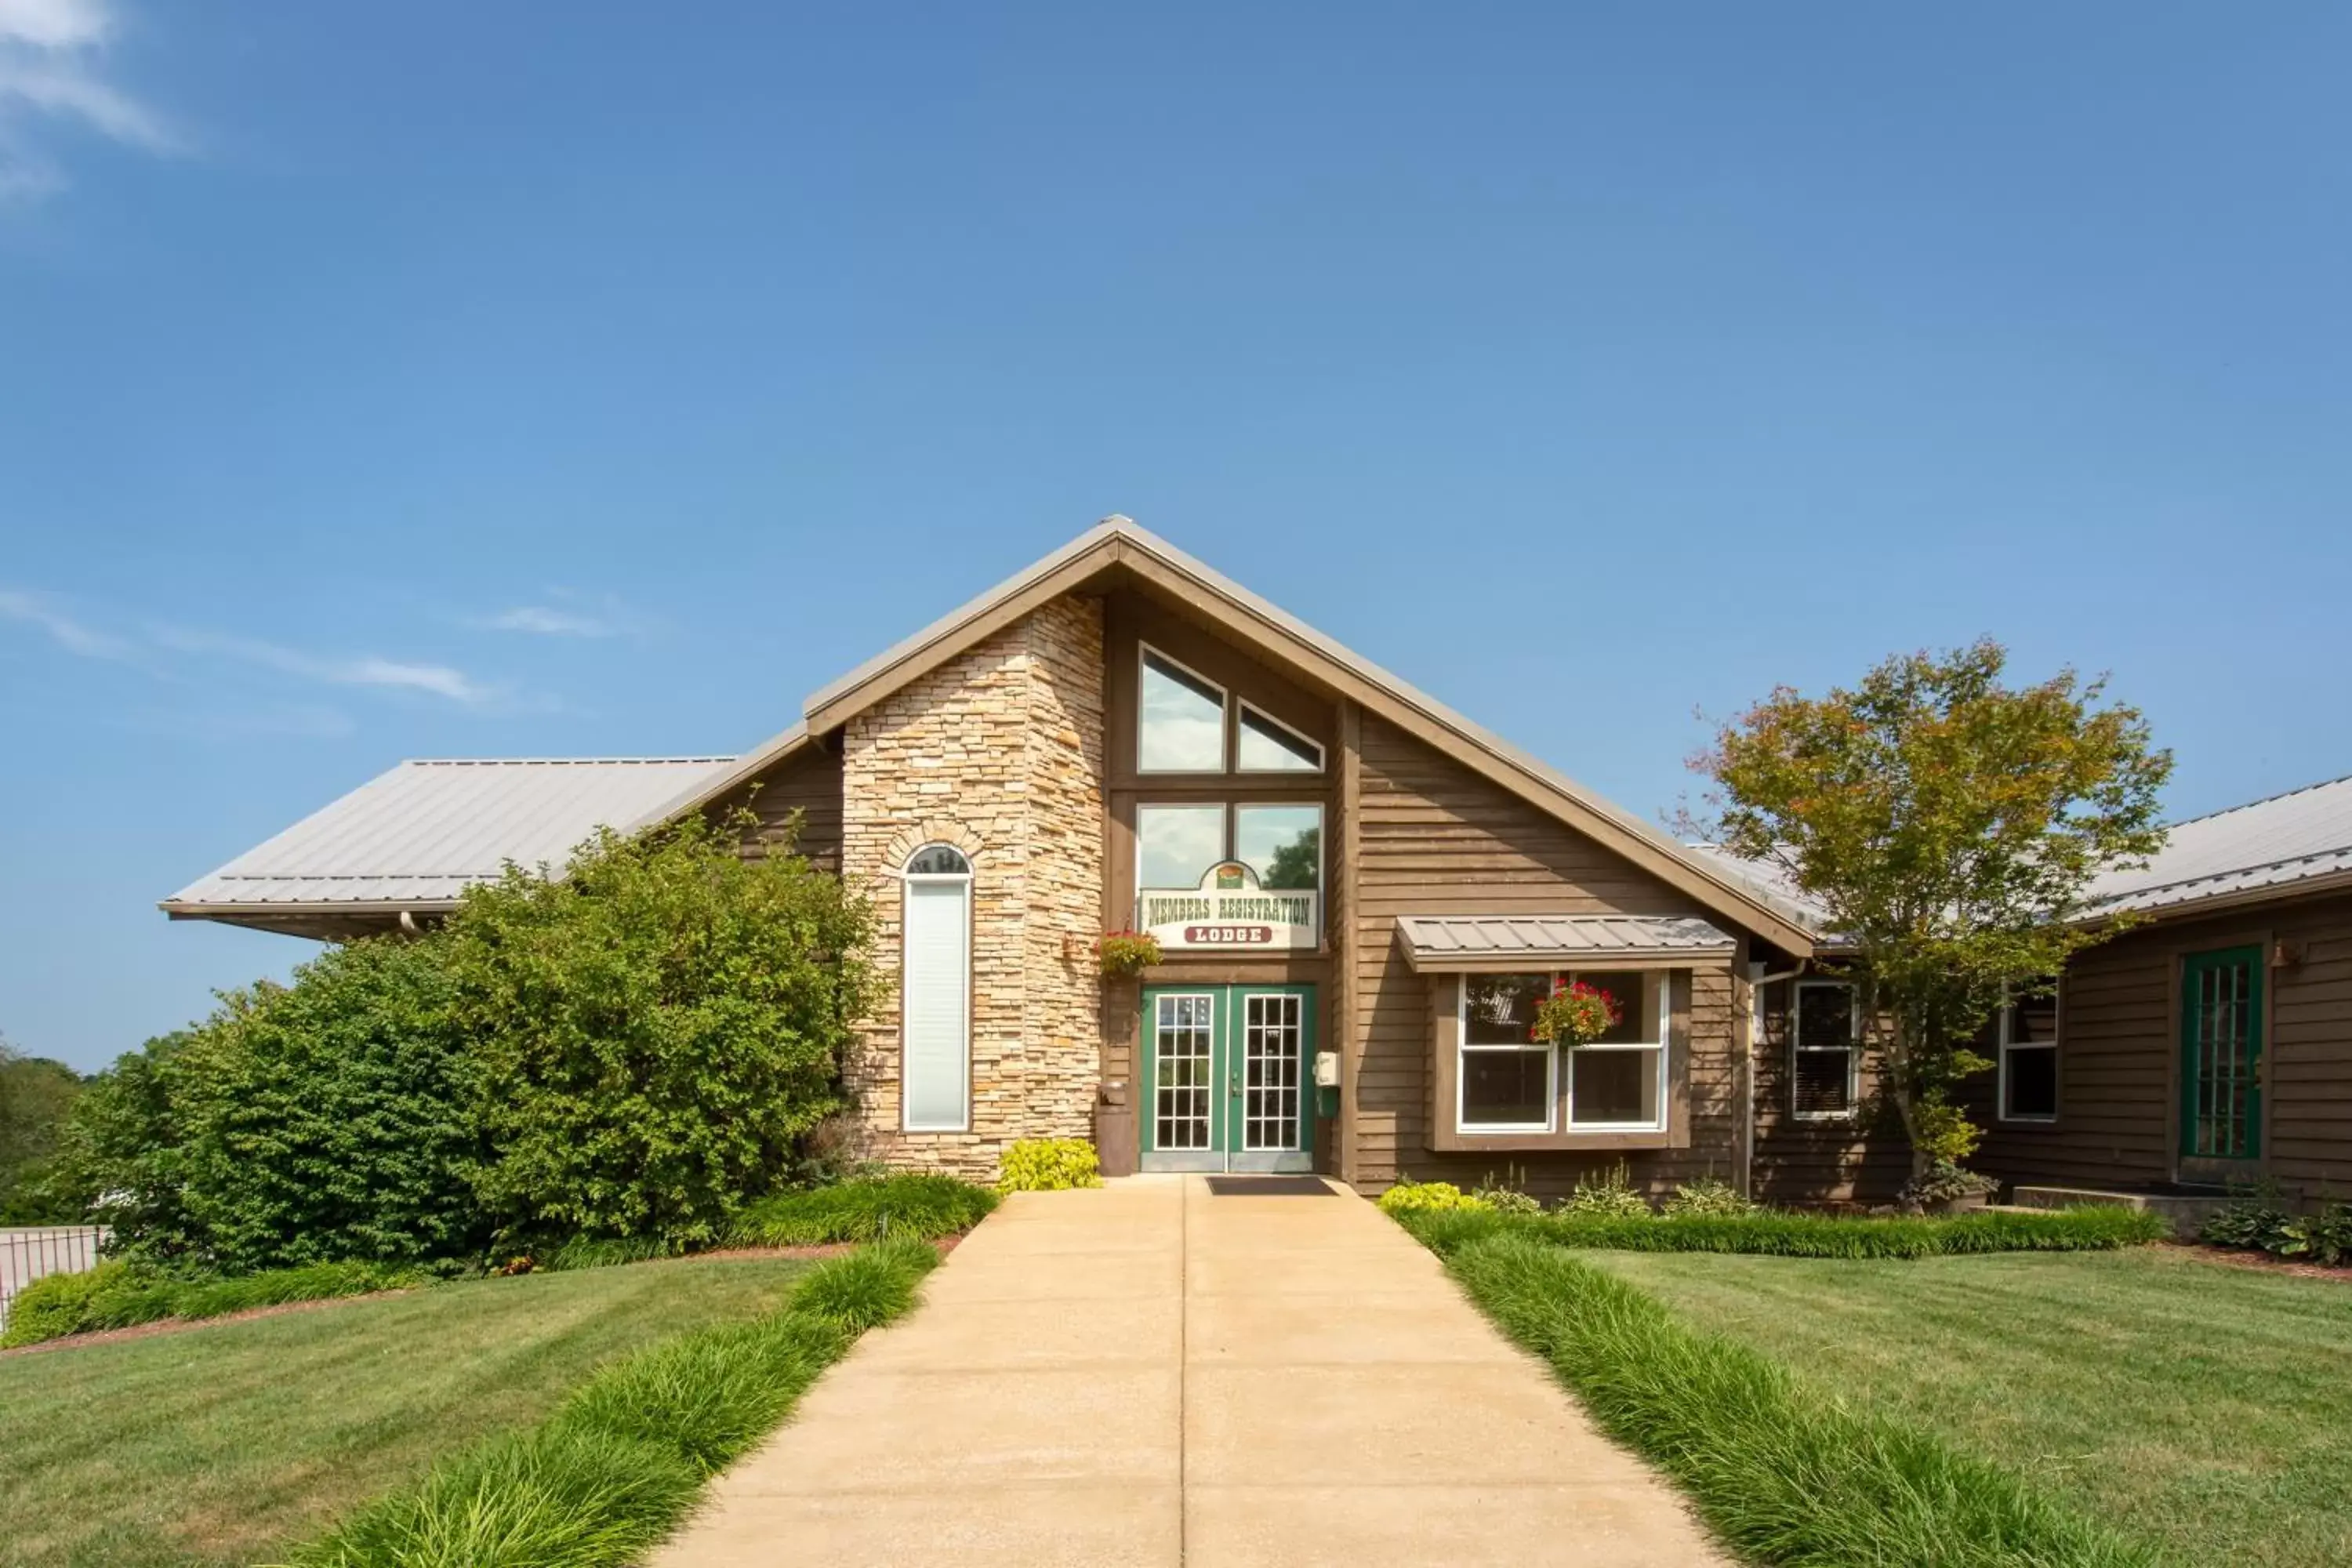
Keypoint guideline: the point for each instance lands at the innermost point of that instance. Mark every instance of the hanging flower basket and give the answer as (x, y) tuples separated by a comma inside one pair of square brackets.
[(1575, 1014), (1125, 954)]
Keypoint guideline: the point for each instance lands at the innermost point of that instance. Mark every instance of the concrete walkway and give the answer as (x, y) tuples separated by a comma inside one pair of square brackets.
[(1157, 1373)]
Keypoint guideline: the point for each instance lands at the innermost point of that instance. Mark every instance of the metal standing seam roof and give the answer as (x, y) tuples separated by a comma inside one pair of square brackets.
[(2282, 845), (2273, 846), (418, 835), (1453, 942)]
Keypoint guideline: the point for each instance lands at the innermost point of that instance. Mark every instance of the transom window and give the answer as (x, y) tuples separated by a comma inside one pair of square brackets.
[(2029, 1059), (1187, 724), (1824, 1050), (1507, 1081)]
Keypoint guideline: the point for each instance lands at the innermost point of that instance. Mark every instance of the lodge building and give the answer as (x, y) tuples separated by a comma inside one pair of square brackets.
[(1359, 896)]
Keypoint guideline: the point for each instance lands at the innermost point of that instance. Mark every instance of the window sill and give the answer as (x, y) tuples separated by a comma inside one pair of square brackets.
[(1450, 1141), (2027, 1123)]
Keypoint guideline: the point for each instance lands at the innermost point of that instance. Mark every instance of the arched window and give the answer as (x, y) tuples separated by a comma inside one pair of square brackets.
[(935, 992)]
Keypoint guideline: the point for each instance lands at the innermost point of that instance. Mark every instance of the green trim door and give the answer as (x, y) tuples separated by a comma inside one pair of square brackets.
[(1228, 1078), (2220, 1057)]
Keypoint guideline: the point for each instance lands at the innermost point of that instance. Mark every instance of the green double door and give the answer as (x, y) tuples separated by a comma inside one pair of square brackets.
[(2220, 1062), (1228, 1078)]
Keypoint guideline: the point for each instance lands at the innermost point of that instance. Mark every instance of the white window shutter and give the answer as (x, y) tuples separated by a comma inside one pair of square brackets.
[(936, 1005)]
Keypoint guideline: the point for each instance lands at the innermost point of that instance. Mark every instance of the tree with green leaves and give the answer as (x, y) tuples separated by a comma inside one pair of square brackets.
[(35, 1094), (1949, 826)]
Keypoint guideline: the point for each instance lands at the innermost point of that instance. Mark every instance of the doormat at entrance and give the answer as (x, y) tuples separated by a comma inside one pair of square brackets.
[(1269, 1187)]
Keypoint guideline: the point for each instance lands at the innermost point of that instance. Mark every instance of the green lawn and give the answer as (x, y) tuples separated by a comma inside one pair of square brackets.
[(2204, 1408), (216, 1443)]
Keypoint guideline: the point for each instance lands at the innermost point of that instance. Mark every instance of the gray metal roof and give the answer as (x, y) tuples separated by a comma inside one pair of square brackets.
[(2289, 843), (1480, 941), (2277, 845), (414, 836)]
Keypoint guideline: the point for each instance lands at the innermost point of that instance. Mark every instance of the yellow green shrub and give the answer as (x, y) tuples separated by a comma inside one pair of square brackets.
[(1048, 1165)]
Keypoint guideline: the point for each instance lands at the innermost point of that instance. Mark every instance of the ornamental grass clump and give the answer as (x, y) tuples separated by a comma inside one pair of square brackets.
[(1803, 1236), (614, 1472), (911, 1203), (125, 1293), (1782, 1473)]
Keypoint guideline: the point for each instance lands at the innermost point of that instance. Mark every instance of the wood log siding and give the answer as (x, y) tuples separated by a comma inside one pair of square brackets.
[(1435, 838), (2120, 1047)]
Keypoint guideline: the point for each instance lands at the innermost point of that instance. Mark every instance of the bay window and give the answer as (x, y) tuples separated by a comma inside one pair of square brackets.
[(1507, 1081)]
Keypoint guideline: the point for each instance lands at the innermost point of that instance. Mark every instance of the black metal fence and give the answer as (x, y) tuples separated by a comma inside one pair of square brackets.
[(27, 1252)]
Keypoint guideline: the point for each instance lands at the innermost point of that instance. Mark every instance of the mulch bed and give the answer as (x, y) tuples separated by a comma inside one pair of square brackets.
[(945, 1244), (2261, 1262)]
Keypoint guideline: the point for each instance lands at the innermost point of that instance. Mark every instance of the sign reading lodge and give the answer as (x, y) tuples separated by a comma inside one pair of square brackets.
[(1229, 910)]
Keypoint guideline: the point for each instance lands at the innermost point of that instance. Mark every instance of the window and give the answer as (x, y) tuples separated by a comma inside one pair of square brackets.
[(1176, 844), (1619, 1081), (1283, 844), (1824, 1047), (2029, 1059), (935, 992), (1180, 727), (1506, 1082), (1503, 1082), (1264, 744)]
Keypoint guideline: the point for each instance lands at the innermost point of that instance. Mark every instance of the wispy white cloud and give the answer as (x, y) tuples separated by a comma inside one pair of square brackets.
[(63, 629), (562, 612), (307, 720), (53, 69), (547, 621), (440, 679)]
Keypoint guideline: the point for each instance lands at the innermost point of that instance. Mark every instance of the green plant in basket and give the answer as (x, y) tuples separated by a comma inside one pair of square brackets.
[(1126, 954), (1575, 1014)]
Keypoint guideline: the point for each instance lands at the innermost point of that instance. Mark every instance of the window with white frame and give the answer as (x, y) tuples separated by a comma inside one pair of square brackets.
[(935, 992), (2029, 1059), (1824, 1050), (1506, 1082), (1619, 1081), (1503, 1081)]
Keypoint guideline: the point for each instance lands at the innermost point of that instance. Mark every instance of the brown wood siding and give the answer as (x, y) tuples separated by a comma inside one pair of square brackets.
[(1433, 837), (1862, 1160), (2119, 1046), (809, 782)]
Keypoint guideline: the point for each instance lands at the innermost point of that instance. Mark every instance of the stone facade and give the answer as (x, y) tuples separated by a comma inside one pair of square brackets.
[(999, 752)]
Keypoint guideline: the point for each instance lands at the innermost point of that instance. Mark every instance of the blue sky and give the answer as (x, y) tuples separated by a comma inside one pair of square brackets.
[(440, 380)]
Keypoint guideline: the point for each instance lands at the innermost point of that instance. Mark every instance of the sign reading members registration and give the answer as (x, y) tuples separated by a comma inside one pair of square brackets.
[(1229, 910)]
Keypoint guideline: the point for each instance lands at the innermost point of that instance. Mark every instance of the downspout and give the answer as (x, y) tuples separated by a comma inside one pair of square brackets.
[(1756, 980), (408, 924)]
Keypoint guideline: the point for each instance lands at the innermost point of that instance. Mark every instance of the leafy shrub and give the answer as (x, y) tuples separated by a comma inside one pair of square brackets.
[(1048, 1165), (121, 1153), (2322, 1238), (1783, 1473), (1706, 1195), (613, 1471), (125, 1292), (656, 1031), (329, 1119), (1409, 1197), (1806, 1236), (1944, 1183), (923, 1205), (1505, 1194), (1606, 1192), (2256, 1219)]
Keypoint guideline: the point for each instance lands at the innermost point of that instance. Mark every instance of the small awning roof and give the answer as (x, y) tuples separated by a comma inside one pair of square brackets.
[(1450, 943)]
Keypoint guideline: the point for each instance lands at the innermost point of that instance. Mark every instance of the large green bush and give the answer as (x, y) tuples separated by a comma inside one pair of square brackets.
[(653, 1033), (630, 1053), (331, 1119)]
